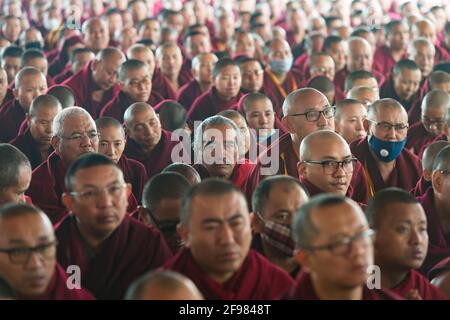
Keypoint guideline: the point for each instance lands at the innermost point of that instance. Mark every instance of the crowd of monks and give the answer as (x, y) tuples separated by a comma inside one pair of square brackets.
[(232, 150)]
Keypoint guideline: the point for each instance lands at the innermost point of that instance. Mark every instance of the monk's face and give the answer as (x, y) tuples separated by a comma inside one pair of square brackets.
[(398, 38), (29, 88), (40, 124), (145, 129), (219, 233), (389, 116), (368, 82), (27, 274), (220, 150), (433, 120), (407, 83), (79, 136), (3, 84), (322, 66), (425, 30), (147, 57), (15, 193), (151, 30), (170, 61), (101, 200), (105, 72), (345, 266), (366, 96), (245, 46), (337, 53), (402, 239), (39, 63), (81, 60), (423, 55), (199, 43), (260, 117), (244, 131), (228, 82), (11, 66), (350, 123), (112, 142), (137, 85), (203, 72), (252, 76), (97, 36), (299, 125), (360, 57)]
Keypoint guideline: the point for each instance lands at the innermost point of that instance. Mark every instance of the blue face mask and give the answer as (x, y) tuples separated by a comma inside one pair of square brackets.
[(281, 66), (386, 151)]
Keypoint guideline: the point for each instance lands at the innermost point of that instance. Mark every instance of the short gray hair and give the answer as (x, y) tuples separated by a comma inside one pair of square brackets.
[(65, 114)]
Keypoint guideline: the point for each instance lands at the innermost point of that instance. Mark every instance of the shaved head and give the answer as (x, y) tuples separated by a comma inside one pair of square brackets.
[(64, 95), (135, 109), (430, 153), (318, 139), (385, 104), (297, 98)]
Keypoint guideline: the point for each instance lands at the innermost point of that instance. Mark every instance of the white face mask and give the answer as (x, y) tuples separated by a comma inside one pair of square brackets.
[(51, 24)]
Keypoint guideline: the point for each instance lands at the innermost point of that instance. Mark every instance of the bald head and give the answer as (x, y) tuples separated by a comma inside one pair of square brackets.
[(317, 140), (365, 95), (109, 54), (383, 105), (424, 28), (28, 72), (439, 80), (135, 109), (96, 34), (44, 101), (430, 153), (64, 95), (108, 122), (436, 99), (186, 171), (360, 54), (299, 99)]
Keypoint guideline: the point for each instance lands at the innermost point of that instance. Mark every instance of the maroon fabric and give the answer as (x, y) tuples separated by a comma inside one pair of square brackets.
[(405, 175), (421, 187), (418, 139), (440, 55), (277, 96), (416, 281), (11, 116), (188, 93), (383, 60), (59, 63), (119, 104), (438, 244), (65, 74), (158, 159), (161, 84), (131, 250), (8, 97), (441, 266), (133, 172), (58, 290), (26, 143), (83, 85), (256, 279)]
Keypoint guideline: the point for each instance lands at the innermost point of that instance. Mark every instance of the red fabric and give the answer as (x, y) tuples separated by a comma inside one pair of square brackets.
[(256, 279), (161, 84), (63, 75), (441, 266), (133, 172), (421, 187), (26, 143), (8, 97), (188, 93), (440, 55), (131, 250), (291, 83), (415, 280), (418, 139), (83, 85), (58, 290), (438, 245), (59, 63), (405, 175), (383, 60), (11, 116)]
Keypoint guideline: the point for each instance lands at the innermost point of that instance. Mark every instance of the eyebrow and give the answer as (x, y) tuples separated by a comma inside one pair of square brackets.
[(221, 221), (312, 108), (94, 186), (334, 158), (341, 234), (20, 241)]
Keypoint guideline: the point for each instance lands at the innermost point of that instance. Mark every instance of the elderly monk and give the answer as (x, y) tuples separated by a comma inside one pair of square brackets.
[(35, 142), (64, 95), (96, 84), (144, 54), (432, 124), (74, 133), (365, 95), (28, 256), (401, 243), (135, 85), (335, 250), (15, 175), (421, 50), (163, 285), (385, 160), (96, 35), (425, 28), (29, 84), (349, 119), (147, 142), (186, 171), (215, 223), (275, 203), (110, 248)]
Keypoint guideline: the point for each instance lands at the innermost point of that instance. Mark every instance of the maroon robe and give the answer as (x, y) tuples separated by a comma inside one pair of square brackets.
[(11, 117), (120, 103), (133, 172), (131, 250), (161, 84), (57, 289), (421, 187), (158, 159), (26, 143), (416, 281), (63, 75), (8, 97), (276, 92), (83, 85), (341, 75), (405, 175), (383, 60), (188, 93), (210, 104), (438, 241), (256, 279), (418, 139), (304, 290), (441, 266)]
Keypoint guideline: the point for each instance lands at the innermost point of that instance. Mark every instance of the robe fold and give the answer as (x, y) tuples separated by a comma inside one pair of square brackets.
[(383, 61), (161, 84), (188, 93), (131, 250), (26, 143), (133, 172), (63, 75), (406, 173), (418, 139), (256, 279), (421, 187), (417, 281), (11, 117), (441, 266)]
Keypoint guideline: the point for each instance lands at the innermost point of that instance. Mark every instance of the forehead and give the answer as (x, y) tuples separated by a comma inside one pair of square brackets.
[(251, 65), (421, 47), (367, 82), (359, 47), (142, 55), (322, 60), (78, 122), (97, 176), (46, 110), (310, 100), (260, 104), (230, 69), (170, 51), (219, 132), (217, 206), (146, 114), (279, 46), (328, 147), (111, 132), (207, 58), (95, 25), (386, 113), (26, 227), (32, 78), (115, 60), (137, 72), (408, 73), (352, 109), (398, 211), (282, 193)]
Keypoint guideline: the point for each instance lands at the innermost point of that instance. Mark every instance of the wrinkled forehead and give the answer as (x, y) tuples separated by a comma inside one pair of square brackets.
[(78, 123), (219, 133), (25, 228), (310, 101), (390, 114), (98, 176), (146, 114)]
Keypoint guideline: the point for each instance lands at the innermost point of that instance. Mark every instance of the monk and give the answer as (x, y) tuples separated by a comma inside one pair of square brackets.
[(15, 175), (35, 142), (439, 80), (161, 205), (29, 84), (144, 54), (64, 95), (186, 171), (349, 119), (28, 256), (334, 250), (163, 285), (110, 248), (173, 116), (36, 58), (432, 124), (243, 44), (275, 203), (403, 86), (434, 202), (96, 34), (6, 93), (79, 58), (320, 64), (135, 85), (111, 144), (96, 84), (401, 243), (365, 95), (147, 142), (422, 51), (382, 153), (425, 28), (224, 94), (195, 43), (202, 68), (334, 46), (74, 133), (11, 61), (223, 266), (360, 78), (324, 85)]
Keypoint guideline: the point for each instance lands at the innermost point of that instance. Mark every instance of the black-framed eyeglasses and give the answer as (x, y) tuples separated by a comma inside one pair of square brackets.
[(22, 255), (332, 166), (342, 247), (77, 137), (314, 115), (91, 194), (386, 126)]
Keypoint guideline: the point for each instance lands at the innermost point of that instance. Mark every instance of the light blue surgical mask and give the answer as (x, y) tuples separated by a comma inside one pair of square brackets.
[(386, 151), (281, 66)]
